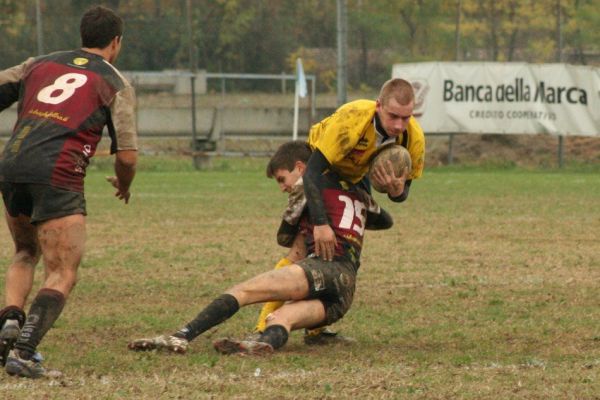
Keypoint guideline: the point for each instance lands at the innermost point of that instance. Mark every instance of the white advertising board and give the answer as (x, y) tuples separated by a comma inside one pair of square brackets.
[(511, 98)]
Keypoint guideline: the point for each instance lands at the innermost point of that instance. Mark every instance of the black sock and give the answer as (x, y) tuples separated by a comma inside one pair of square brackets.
[(222, 308), (275, 335), (45, 309), (12, 312)]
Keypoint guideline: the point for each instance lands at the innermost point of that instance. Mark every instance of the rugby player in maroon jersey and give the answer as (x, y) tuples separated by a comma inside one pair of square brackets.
[(65, 99)]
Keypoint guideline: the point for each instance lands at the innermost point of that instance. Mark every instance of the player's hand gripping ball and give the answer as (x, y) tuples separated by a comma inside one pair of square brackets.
[(398, 157)]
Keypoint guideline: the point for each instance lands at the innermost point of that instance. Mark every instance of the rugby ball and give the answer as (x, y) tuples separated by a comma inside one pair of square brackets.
[(397, 155)]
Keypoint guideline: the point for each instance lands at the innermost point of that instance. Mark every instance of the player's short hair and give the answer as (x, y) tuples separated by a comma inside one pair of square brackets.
[(99, 26), (398, 89), (286, 156)]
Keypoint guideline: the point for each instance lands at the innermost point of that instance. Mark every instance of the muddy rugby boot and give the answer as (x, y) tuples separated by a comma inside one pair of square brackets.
[(17, 366), (169, 343), (249, 347), (8, 336)]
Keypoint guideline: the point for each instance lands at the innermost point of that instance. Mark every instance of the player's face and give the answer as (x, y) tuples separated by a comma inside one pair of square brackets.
[(286, 179), (394, 116)]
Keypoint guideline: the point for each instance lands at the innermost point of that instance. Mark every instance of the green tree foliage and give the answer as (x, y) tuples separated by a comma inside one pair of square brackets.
[(583, 28), (18, 37), (266, 36)]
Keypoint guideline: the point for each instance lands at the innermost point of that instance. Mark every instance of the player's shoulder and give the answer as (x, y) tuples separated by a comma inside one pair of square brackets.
[(414, 129), (357, 113), (361, 105), (58, 57), (80, 60)]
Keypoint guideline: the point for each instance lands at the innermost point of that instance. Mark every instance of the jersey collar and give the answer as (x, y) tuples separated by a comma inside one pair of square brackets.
[(382, 137)]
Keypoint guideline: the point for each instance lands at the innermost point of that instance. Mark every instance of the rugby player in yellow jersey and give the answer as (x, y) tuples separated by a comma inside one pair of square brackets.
[(346, 141)]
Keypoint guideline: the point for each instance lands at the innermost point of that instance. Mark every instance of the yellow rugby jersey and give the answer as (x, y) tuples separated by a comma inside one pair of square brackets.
[(348, 140)]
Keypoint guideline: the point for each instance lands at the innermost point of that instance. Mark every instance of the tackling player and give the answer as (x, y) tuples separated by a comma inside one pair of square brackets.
[(314, 292), (346, 141), (64, 101)]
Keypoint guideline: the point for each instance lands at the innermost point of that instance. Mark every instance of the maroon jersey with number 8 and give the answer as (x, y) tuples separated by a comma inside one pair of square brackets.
[(65, 100)]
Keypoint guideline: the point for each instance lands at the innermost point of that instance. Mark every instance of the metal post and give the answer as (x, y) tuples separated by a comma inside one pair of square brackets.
[(450, 154), (190, 31), (39, 28), (559, 38), (310, 106), (560, 151), (342, 43), (200, 160), (193, 82), (313, 97), (296, 112), (457, 31)]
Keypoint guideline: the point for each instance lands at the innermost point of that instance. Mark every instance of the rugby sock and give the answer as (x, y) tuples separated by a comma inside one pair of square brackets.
[(275, 335), (221, 309), (45, 309), (271, 306)]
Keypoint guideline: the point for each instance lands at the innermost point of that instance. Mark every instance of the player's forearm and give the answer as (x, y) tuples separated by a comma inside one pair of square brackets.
[(312, 183), (125, 165), (286, 234)]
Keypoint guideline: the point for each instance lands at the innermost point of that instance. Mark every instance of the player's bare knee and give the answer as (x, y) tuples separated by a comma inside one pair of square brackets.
[(27, 256), (27, 248), (62, 281), (240, 294)]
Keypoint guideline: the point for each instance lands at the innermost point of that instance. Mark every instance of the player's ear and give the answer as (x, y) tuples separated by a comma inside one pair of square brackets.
[(300, 166)]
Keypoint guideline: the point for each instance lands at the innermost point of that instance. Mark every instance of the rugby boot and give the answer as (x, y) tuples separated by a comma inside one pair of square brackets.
[(169, 343), (8, 336), (243, 347), (32, 368)]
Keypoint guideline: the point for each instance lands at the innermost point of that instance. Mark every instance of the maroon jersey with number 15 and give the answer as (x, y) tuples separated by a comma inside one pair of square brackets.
[(65, 99), (347, 212)]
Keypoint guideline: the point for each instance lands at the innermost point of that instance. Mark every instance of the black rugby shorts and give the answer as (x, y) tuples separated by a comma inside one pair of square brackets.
[(41, 202), (332, 282)]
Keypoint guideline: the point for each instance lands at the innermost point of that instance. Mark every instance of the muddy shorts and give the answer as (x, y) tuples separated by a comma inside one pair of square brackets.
[(333, 283), (41, 202)]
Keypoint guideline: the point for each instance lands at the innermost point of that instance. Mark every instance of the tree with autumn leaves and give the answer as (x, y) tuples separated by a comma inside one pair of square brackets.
[(266, 36)]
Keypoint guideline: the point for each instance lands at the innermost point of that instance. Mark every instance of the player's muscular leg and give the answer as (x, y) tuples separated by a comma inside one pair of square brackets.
[(19, 276), (283, 284), (62, 241), (298, 314)]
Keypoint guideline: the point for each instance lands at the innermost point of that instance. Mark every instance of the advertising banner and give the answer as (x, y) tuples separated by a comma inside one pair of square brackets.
[(511, 98)]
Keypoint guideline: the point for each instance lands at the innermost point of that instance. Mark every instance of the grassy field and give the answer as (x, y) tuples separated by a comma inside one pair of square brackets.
[(485, 288)]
